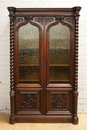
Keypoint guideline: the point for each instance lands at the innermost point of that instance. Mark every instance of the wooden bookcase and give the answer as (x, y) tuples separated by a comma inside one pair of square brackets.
[(44, 64)]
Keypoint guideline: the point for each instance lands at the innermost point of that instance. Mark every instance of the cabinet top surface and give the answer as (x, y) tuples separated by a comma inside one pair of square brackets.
[(76, 8)]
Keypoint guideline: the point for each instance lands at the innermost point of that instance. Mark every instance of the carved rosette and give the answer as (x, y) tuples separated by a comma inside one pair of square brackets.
[(11, 15)]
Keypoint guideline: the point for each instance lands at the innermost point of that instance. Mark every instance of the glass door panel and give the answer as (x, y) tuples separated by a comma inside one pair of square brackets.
[(28, 54), (59, 54)]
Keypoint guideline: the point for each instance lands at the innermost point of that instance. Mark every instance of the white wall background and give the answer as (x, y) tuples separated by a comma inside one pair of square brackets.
[(4, 46)]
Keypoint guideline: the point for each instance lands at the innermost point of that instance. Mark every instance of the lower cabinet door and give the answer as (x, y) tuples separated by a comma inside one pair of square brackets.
[(29, 101)]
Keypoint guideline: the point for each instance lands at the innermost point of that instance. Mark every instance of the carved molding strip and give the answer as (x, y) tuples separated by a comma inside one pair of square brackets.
[(29, 101), (59, 101), (44, 13)]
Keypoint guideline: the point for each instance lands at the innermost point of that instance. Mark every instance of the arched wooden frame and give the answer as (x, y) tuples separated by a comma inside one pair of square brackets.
[(65, 23), (16, 48)]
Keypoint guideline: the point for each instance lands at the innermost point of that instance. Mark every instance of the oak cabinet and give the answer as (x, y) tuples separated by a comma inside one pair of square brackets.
[(44, 64)]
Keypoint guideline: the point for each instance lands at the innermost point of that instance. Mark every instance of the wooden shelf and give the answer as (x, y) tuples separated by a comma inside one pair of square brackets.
[(59, 48), (29, 48), (51, 65), (58, 65), (28, 81), (28, 65), (59, 81)]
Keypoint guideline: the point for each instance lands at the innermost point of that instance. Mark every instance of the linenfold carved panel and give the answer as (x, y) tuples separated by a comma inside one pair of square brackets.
[(59, 101), (29, 101)]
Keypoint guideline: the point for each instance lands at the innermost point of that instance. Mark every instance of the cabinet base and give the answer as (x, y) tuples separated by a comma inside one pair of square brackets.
[(42, 119), (75, 120), (12, 119)]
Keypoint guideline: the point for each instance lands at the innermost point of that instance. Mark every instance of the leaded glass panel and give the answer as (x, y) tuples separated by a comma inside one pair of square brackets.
[(59, 54), (28, 54)]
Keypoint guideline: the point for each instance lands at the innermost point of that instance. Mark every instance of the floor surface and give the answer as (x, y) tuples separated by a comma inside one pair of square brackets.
[(4, 124)]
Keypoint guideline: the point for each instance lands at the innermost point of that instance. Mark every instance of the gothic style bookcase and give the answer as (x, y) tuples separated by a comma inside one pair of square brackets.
[(44, 64)]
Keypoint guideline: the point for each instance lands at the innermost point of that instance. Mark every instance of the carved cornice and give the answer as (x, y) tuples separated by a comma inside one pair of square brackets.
[(11, 13), (76, 11)]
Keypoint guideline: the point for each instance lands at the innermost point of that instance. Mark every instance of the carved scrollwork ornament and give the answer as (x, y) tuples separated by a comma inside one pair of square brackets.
[(60, 18), (28, 18), (19, 19), (39, 20)]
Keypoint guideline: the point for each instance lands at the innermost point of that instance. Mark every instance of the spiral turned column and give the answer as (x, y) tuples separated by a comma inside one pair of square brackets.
[(12, 53), (75, 91), (12, 87), (76, 52)]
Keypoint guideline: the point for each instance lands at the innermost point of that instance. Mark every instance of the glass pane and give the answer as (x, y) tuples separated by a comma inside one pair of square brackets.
[(59, 53), (28, 54)]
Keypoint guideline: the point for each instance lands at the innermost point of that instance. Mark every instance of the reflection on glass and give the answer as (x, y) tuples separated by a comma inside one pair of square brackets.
[(28, 54), (59, 53)]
